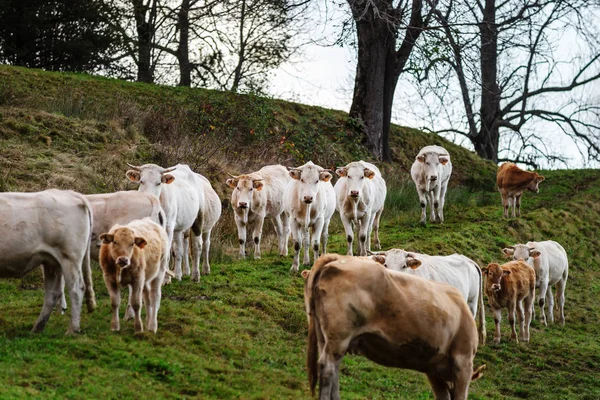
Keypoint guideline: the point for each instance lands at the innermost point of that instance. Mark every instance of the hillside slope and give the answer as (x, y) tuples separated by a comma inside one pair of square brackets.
[(241, 332)]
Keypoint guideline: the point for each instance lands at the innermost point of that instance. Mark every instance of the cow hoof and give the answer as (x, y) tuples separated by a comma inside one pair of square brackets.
[(63, 310), (294, 269), (72, 331), (497, 340), (195, 279), (206, 271), (257, 257), (178, 277)]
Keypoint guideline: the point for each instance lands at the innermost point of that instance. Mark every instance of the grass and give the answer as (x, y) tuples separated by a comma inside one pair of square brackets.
[(241, 332)]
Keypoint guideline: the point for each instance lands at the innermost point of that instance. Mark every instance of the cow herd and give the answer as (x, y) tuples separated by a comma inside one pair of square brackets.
[(398, 308)]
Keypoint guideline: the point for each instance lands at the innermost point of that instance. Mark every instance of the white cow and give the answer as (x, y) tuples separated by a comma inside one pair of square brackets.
[(456, 270), (309, 200), (53, 229), (181, 194), (360, 193), (551, 265), (431, 172), (257, 196)]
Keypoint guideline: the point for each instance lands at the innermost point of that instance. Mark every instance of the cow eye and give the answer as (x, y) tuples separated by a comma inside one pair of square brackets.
[(302, 180), (115, 243), (349, 177), (141, 182), (158, 184), (317, 181), (251, 188), (362, 177)]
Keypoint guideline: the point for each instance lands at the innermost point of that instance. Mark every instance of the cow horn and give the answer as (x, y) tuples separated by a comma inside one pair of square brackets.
[(233, 176), (169, 170), (134, 167), (291, 168), (257, 180)]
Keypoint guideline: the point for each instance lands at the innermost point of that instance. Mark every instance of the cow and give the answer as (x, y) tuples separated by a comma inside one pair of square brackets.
[(355, 305), (431, 172), (360, 193), (309, 200), (551, 265), (512, 181), (182, 196), (509, 286), (456, 270), (256, 196), (50, 228), (135, 255)]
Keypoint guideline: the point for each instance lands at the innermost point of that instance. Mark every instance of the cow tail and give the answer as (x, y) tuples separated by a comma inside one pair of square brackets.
[(481, 309), (90, 296)]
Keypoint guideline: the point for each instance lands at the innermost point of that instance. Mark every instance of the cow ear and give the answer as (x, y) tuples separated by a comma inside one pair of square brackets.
[(508, 252), (540, 178), (258, 185), (295, 174), (341, 172), (324, 176), (484, 270), (505, 272), (133, 176), (167, 178), (369, 173), (140, 242), (444, 160), (232, 183), (534, 253), (305, 273), (107, 238), (413, 263), (380, 258), (421, 158)]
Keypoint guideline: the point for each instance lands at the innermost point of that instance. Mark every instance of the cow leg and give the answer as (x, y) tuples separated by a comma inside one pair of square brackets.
[(206, 253), (196, 255), (74, 281), (542, 301), (436, 203), (328, 377), (376, 242), (115, 300), (136, 303), (349, 232), (363, 232), (442, 201), (521, 318), (370, 230), (316, 236), (512, 308), (550, 301), (241, 228), (52, 293), (504, 203), (297, 239), (178, 249), (529, 301), (129, 314), (154, 299), (423, 201), (513, 200), (306, 244), (147, 302), (463, 371), (325, 236), (518, 204), (285, 222), (280, 234), (560, 294), (431, 206), (497, 320), (439, 387), (257, 234)]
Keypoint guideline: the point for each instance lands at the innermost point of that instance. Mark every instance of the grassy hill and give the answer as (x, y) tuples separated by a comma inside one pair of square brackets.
[(241, 332)]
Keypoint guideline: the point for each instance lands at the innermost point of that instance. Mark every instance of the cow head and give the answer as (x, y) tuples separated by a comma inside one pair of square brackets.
[(521, 252), (308, 176), (355, 174), (244, 187), (397, 260), (534, 184), (431, 162), (121, 242), (494, 273), (150, 177)]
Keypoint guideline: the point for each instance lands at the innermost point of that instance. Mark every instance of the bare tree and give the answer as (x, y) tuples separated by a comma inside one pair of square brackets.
[(505, 55)]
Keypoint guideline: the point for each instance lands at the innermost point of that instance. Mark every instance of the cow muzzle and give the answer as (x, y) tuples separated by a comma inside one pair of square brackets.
[(433, 178), (242, 205), (308, 199), (354, 194), (496, 287), (122, 261)]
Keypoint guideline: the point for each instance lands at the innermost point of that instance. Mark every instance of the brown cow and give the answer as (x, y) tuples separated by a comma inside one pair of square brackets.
[(512, 181), (506, 287), (356, 305), (135, 254)]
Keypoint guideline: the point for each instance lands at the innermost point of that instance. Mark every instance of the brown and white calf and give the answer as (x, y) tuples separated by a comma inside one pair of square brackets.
[(512, 181), (257, 196), (135, 255), (355, 305), (511, 286)]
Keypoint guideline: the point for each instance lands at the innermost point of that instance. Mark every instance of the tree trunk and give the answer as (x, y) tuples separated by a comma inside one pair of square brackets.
[(237, 75), (183, 54), (371, 87), (487, 140), (145, 34)]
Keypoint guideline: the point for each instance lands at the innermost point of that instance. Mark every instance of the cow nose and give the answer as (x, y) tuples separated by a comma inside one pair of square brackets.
[(354, 193), (242, 204), (433, 178), (122, 261), (495, 287), (308, 199)]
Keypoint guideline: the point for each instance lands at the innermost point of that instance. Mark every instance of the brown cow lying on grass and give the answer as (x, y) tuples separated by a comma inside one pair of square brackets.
[(356, 305), (512, 181), (136, 255), (506, 287)]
